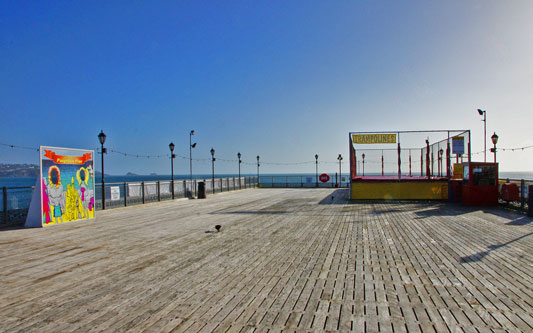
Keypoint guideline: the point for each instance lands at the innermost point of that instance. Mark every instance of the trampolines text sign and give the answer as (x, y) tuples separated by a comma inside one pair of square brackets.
[(374, 138)]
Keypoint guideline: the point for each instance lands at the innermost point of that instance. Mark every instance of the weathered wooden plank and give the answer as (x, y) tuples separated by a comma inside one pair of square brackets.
[(285, 260)]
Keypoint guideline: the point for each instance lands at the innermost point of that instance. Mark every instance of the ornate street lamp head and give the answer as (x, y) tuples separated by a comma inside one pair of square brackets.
[(494, 138), (102, 137), (212, 152), (171, 146)]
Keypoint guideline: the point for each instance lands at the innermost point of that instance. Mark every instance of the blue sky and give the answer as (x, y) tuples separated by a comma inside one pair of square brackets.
[(283, 80)]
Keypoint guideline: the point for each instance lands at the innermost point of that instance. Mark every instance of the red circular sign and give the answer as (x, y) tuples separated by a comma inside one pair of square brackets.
[(324, 177)]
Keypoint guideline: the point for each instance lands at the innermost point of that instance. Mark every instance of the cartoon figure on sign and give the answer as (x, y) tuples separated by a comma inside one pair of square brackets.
[(72, 211), (46, 205), (56, 196), (84, 193), (90, 192)]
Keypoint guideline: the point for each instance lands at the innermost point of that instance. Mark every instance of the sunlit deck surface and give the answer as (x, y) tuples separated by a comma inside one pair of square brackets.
[(285, 259)]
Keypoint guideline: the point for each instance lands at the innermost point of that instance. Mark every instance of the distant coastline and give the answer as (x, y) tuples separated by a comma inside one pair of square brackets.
[(27, 170), (32, 171), (19, 170)]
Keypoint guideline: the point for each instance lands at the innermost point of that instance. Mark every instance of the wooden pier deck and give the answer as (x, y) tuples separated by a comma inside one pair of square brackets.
[(285, 260)]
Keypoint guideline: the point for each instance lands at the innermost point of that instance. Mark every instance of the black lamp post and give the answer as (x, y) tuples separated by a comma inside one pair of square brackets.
[(484, 114), (258, 169), (102, 138), (191, 146), (494, 138), (340, 173), (364, 164), (316, 169), (213, 168), (172, 157), (239, 157)]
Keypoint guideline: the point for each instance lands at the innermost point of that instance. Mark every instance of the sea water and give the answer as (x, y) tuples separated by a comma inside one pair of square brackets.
[(278, 178)]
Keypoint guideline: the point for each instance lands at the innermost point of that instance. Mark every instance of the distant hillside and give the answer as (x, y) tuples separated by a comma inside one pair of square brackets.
[(99, 174), (25, 170), (19, 170)]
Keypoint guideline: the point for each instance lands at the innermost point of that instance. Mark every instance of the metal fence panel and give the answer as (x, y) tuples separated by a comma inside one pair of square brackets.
[(150, 192), (3, 210), (134, 194), (165, 190), (208, 186), (226, 184), (189, 188)]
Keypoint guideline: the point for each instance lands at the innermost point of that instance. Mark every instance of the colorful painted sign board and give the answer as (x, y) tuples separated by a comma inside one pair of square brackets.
[(65, 189), (458, 145), (374, 138)]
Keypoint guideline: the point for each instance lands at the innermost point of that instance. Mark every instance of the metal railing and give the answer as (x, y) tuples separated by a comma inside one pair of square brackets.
[(133, 193), (301, 182), (15, 201)]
